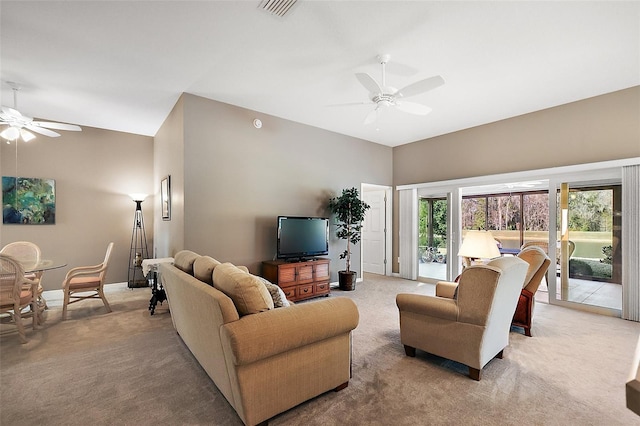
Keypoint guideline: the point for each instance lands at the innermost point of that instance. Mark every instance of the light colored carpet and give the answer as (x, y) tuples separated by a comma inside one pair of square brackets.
[(128, 367)]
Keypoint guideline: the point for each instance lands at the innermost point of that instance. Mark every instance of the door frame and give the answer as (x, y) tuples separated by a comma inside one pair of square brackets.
[(388, 193)]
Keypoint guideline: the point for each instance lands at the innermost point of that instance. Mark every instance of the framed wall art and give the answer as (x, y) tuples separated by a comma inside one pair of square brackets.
[(165, 197), (28, 201)]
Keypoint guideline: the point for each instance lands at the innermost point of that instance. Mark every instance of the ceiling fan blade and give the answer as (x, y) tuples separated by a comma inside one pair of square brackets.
[(372, 116), (368, 82), (413, 108), (42, 131), (58, 126), (421, 86), (11, 111)]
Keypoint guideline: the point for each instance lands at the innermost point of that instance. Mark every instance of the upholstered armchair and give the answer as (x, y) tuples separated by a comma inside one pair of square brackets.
[(472, 325), (538, 264)]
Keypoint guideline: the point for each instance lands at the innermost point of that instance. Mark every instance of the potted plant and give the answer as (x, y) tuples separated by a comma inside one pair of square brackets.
[(350, 211)]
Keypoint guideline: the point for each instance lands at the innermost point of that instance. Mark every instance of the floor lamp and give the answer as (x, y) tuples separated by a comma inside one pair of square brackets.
[(139, 250)]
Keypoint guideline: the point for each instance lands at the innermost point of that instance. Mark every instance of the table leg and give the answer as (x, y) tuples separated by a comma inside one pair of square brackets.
[(158, 294)]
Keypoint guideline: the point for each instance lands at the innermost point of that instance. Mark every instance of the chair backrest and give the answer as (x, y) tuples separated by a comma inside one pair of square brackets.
[(544, 245), (24, 252), (11, 278), (105, 263), (571, 246), (538, 264), (489, 293)]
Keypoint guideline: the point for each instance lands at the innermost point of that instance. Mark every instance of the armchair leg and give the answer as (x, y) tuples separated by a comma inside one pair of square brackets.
[(64, 305), (104, 299), (409, 351), (527, 331), (474, 373), (500, 354)]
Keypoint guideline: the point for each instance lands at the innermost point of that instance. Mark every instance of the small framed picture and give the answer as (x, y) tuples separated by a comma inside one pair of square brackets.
[(165, 197)]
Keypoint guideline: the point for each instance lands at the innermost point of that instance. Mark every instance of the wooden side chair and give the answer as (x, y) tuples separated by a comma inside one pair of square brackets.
[(16, 294), (86, 282), (28, 253)]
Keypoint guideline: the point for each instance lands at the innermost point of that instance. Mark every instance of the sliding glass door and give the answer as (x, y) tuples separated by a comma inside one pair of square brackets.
[(588, 252), (432, 238)]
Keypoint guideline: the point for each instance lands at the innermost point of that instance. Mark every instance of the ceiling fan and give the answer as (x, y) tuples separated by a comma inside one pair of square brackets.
[(384, 96), (21, 126)]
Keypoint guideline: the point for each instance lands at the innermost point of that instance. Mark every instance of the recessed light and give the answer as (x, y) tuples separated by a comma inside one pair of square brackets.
[(257, 123)]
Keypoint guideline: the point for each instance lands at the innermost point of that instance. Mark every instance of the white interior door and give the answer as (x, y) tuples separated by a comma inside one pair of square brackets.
[(373, 232)]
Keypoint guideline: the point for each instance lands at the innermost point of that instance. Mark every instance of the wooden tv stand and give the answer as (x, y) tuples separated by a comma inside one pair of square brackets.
[(299, 280)]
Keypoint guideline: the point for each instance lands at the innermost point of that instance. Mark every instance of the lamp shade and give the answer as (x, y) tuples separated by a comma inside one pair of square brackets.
[(138, 196), (479, 245), (10, 133)]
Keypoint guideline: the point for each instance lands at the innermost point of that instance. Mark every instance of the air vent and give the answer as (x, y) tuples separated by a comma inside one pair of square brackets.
[(277, 7)]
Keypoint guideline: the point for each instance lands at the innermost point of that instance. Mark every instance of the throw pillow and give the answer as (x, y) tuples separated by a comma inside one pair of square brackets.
[(248, 293), (184, 259), (278, 296), (203, 269)]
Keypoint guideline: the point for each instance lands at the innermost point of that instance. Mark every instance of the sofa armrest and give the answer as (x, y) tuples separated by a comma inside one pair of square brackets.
[(446, 289), (258, 336), (428, 305)]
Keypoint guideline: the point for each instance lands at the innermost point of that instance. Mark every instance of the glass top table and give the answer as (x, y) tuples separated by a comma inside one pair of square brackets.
[(42, 265)]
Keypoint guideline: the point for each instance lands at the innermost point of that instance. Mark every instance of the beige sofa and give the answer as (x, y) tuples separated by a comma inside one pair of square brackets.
[(264, 360)]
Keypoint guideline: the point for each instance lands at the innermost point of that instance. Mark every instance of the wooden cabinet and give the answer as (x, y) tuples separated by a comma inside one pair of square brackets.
[(299, 280)]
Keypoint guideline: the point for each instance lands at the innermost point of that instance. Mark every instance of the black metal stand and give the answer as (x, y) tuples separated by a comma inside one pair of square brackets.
[(158, 294), (139, 250)]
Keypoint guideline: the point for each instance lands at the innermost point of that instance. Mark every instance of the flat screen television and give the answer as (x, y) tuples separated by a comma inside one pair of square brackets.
[(302, 237)]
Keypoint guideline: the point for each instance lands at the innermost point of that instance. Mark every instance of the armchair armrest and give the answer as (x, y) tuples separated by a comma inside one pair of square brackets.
[(446, 289), (258, 336), (84, 270), (428, 305)]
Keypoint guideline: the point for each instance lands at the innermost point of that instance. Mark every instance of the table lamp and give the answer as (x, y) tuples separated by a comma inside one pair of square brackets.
[(478, 245)]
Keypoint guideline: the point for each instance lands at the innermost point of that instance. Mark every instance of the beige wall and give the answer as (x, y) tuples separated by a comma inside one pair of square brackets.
[(597, 129), (94, 171), (168, 154), (238, 179), (603, 128)]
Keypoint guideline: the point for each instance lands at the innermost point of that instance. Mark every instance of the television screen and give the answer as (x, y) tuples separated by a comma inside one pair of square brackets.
[(300, 237)]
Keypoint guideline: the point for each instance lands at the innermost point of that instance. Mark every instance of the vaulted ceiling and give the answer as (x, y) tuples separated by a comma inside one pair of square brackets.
[(122, 65)]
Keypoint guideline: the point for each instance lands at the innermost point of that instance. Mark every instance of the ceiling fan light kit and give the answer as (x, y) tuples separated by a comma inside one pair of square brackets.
[(383, 96), (21, 126)]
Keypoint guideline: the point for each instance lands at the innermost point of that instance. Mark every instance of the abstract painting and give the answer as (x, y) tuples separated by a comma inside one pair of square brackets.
[(28, 201)]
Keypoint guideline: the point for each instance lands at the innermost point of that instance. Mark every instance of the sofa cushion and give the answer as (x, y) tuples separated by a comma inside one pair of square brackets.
[(277, 295), (184, 259), (247, 291), (203, 269)]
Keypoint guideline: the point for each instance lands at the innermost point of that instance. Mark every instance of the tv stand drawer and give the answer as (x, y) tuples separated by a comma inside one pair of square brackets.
[(299, 280)]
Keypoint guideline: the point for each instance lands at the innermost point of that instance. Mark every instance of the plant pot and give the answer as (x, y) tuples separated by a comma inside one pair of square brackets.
[(347, 280)]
